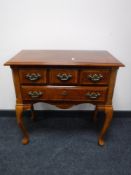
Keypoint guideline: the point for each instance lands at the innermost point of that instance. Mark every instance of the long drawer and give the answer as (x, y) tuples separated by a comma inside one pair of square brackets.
[(64, 93)]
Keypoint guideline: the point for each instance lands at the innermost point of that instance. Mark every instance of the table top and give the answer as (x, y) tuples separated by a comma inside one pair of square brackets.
[(64, 57)]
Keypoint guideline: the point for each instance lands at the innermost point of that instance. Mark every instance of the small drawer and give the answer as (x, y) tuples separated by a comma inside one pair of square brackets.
[(33, 93), (32, 76), (85, 94), (94, 77), (63, 76)]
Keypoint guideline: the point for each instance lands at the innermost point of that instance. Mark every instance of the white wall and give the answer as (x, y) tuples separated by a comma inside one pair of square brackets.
[(66, 24)]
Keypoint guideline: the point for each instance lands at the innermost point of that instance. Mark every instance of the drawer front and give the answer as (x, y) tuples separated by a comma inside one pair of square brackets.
[(63, 76), (63, 93), (94, 77), (32, 76)]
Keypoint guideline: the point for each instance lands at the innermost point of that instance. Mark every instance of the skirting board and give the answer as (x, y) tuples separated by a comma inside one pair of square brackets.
[(11, 113)]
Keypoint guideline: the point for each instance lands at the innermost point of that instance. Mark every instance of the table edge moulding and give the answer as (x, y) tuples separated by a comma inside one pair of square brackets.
[(64, 78)]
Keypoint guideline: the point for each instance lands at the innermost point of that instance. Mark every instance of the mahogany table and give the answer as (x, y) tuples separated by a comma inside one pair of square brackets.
[(64, 78)]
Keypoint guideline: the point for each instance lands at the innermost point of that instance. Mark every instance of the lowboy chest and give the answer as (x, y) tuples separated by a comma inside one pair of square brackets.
[(64, 78)]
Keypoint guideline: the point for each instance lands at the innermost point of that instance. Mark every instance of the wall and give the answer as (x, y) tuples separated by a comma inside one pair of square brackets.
[(66, 24)]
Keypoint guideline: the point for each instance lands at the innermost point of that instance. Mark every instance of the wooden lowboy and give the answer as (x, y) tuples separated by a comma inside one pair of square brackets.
[(64, 78)]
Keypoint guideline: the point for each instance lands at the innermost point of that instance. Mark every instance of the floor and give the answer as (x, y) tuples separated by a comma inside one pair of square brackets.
[(65, 143)]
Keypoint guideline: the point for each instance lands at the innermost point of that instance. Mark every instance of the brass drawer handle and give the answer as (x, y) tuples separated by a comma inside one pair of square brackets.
[(93, 95), (35, 94), (33, 76), (95, 77), (64, 77)]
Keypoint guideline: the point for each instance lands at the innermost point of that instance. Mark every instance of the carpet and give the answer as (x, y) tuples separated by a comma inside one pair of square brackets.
[(65, 143)]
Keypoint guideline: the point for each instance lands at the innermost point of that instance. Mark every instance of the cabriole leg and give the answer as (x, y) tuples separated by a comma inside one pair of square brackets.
[(95, 115), (33, 117), (19, 117), (108, 117)]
